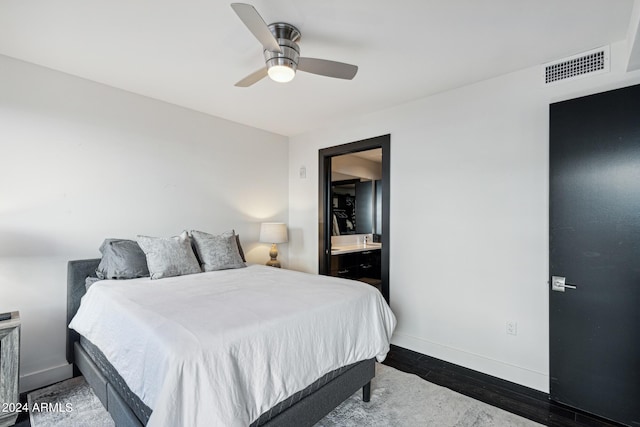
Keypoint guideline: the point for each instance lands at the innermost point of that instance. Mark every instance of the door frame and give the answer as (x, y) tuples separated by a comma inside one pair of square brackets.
[(324, 203)]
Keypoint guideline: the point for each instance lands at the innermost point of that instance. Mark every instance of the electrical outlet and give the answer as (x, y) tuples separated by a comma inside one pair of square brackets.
[(512, 327)]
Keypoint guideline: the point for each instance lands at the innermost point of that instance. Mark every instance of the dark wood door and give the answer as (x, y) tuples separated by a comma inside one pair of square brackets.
[(594, 237)]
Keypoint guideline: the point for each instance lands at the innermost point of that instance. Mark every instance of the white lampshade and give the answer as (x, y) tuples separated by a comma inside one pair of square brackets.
[(273, 232), (281, 73)]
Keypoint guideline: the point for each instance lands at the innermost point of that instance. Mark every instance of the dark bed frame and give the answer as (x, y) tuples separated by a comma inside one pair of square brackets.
[(305, 408)]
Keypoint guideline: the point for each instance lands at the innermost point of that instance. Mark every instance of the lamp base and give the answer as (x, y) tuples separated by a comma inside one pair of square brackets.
[(273, 253), (274, 263)]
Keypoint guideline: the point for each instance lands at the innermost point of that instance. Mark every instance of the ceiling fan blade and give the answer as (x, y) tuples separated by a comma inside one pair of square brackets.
[(323, 67), (254, 22), (252, 78)]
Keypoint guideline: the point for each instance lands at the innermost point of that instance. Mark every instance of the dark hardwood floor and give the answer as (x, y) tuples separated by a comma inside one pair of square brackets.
[(517, 399), (23, 417), (520, 400)]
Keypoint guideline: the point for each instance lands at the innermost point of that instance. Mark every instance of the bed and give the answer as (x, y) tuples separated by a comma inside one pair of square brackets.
[(304, 406)]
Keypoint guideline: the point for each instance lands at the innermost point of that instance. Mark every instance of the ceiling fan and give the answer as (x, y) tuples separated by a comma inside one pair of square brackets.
[(282, 53)]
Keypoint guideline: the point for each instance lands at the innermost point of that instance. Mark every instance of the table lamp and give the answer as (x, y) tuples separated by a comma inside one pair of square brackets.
[(274, 233)]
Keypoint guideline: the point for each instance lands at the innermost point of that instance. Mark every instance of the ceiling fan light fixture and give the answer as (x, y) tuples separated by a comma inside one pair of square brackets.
[(282, 66), (281, 73)]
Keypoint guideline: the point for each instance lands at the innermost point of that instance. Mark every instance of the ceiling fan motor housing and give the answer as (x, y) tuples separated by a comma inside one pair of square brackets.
[(287, 36)]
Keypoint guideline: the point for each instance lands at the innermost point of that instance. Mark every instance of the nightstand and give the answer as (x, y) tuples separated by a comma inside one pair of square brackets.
[(9, 369)]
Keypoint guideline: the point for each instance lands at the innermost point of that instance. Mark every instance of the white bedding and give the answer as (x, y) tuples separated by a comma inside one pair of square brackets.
[(220, 348)]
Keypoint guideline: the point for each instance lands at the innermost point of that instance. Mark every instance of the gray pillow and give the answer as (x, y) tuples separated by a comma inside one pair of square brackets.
[(121, 259), (169, 256), (217, 252), (239, 246)]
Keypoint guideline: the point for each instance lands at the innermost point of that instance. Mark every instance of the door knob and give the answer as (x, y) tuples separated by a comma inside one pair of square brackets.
[(558, 284)]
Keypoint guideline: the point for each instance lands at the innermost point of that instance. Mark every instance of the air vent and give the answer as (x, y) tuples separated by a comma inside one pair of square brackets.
[(587, 63)]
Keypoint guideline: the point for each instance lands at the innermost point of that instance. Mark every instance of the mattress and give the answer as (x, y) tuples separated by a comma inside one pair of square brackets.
[(243, 340), (143, 412)]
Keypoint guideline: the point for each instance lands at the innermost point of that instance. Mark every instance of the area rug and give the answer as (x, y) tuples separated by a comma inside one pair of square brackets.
[(397, 399), (70, 403), (405, 400)]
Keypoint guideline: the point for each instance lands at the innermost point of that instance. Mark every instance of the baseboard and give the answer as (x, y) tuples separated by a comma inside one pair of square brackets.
[(45, 377), (526, 377)]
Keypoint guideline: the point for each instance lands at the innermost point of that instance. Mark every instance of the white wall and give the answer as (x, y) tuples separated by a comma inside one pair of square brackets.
[(469, 216), (80, 161), (633, 38)]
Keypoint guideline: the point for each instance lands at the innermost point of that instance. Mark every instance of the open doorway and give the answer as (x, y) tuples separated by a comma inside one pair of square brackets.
[(354, 211)]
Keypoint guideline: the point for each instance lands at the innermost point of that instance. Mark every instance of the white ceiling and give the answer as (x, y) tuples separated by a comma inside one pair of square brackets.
[(374, 155), (192, 53)]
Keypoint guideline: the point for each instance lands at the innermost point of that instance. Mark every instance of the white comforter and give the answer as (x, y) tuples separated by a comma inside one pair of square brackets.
[(220, 348)]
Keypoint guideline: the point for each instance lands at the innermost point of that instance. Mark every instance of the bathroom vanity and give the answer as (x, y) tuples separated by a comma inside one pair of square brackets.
[(354, 258)]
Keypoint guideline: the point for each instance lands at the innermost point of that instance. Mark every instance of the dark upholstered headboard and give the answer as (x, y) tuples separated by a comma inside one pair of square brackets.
[(77, 272)]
